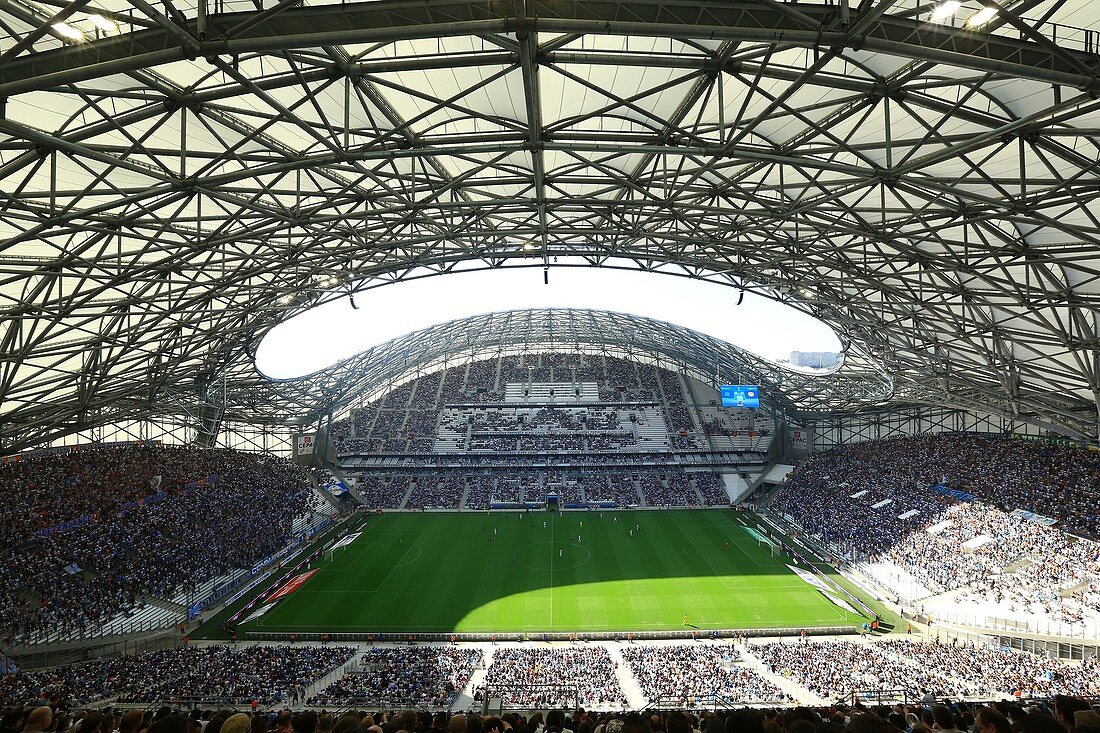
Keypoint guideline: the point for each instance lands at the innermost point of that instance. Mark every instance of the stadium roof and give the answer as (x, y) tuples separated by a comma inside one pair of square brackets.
[(177, 178)]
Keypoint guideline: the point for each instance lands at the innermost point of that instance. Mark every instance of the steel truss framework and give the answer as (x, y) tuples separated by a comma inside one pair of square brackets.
[(176, 185), (840, 429), (183, 430)]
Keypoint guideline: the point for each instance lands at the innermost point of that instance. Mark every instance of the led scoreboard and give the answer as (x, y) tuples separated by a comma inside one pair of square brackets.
[(740, 395)]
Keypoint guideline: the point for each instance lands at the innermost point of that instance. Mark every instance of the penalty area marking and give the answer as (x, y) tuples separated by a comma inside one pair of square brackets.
[(401, 563), (411, 560), (688, 555)]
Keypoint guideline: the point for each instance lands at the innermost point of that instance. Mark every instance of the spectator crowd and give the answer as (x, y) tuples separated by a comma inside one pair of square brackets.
[(1061, 714), (669, 487), (538, 677), (221, 673), (462, 410), (88, 534), (696, 676), (691, 675), (427, 677), (958, 512), (833, 669)]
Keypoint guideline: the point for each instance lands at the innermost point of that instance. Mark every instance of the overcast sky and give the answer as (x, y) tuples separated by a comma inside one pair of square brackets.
[(329, 333)]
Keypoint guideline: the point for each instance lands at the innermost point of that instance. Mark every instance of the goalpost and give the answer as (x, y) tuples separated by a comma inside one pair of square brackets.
[(765, 541), (330, 553), (776, 550), (341, 544)]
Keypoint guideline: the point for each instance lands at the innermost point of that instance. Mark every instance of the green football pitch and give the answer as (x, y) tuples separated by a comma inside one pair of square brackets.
[(542, 571)]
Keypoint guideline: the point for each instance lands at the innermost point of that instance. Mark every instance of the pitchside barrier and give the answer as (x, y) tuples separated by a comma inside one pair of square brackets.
[(198, 703), (397, 638), (539, 507), (903, 697)]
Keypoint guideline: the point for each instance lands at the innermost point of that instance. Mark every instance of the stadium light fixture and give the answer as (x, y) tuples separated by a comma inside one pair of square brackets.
[(103, 23), (945, 10), (68, 31), (981, 17)]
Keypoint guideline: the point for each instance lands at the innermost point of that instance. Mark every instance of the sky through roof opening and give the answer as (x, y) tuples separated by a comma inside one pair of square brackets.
[(327, 334)]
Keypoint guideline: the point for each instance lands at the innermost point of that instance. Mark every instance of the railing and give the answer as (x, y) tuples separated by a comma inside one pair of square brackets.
[(1061, 34), (879, 697), (1036, 626), (526, 697), (201, 703), (352, 704), (713, 700), (46, 657), (106, 630)]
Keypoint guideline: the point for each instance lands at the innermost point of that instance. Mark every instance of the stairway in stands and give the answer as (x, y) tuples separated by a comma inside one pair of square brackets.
[(798, 692), (634, 697), (405, 498), (651, 429)]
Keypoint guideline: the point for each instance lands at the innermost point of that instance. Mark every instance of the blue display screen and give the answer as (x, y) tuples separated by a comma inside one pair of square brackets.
[(740, 395)]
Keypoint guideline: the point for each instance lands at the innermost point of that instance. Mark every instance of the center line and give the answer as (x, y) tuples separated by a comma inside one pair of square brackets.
[(551, 571)]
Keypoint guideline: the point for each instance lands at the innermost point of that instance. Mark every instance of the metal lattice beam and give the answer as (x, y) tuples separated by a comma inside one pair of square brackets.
[(170, 191)]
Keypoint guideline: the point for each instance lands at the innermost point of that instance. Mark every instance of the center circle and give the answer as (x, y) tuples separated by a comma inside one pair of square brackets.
[(544, 556)]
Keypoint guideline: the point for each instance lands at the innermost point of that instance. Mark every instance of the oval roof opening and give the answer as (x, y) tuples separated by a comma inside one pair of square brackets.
[(326, 334)]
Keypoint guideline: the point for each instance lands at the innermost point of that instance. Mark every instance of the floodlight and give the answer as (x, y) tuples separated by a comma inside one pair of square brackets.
[(945, 10), (71, 32), (981, 17)]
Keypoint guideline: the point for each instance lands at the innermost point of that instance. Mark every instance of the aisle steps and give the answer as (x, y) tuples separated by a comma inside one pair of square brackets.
[(798, 692), (633, 691)]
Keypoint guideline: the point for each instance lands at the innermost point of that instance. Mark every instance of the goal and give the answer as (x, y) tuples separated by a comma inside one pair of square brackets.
[(332, 552), (341, 544), (765, 541)]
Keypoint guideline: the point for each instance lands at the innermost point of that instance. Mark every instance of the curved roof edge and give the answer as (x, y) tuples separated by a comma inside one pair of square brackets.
[(857, 382)]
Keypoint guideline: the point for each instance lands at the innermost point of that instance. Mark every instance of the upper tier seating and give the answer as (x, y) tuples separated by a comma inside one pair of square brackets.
[(547, 403)]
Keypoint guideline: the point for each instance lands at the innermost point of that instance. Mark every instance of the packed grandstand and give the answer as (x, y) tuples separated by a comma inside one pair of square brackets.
[(591, 414), (103, 540), (528, 366), (994, 523), (548, 403), (598, 675), (103, 534), (1064, 713)]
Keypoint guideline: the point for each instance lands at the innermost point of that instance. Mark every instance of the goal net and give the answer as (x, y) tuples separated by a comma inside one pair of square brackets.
[(340, 545), (765, 541)]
